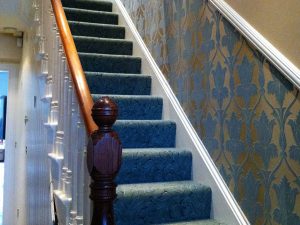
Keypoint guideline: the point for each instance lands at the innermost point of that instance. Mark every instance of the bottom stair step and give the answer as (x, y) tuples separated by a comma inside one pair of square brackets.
[(167, 202), (196, 222)]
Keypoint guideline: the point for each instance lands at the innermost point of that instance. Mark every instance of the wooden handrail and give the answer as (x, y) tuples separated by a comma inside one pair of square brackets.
[(81, 87)]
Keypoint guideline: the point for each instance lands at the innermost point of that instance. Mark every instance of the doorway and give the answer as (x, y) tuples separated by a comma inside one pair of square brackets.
[(4, 76)]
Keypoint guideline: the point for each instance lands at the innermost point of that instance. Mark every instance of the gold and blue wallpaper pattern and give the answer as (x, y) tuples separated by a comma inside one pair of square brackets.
[(245, 111)]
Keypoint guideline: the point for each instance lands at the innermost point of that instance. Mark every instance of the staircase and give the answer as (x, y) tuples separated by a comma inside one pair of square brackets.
[(154, 184)]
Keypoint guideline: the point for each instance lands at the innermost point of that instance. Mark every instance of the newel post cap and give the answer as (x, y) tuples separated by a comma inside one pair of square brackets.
[(104, 113)]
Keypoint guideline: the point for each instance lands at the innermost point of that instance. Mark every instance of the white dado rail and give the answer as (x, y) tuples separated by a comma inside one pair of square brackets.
[(280, 61), (66, 141)]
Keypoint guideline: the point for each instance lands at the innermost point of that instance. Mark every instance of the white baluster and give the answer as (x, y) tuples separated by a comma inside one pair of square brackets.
[(34, 4), (38, 32), (82, 140), (41, 52), (66, 139), (36, 17), (44, 65)]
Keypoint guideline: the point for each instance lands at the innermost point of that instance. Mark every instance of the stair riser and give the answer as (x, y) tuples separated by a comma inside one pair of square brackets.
[(91, 5), (146, 135), (103, 47), (110, 64), (97, 31), (169, 165), (91, 17), (123, 85)]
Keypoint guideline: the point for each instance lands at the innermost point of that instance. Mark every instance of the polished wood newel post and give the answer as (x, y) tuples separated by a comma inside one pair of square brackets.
[(104, 161)]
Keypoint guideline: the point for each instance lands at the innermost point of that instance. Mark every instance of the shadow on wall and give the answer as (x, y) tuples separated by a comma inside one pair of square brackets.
[(245, 111)]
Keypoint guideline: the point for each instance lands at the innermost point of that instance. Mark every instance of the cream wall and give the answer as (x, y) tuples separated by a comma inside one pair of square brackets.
[(278, 21), (9, 52)]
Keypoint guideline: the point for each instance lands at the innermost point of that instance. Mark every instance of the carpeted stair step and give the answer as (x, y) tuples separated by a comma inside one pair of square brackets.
[(110, 63), (88, 4), (103, 45), (196, 222), (122, 84), (155, 165), (167, 202), (136, 107), (91, 16), (97, 30), (146, 133)]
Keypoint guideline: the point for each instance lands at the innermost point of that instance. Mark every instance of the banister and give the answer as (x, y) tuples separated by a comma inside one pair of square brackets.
[(81, 87), (104, 150)]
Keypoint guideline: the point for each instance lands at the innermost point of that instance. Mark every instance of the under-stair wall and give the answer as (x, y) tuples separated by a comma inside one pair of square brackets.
[(246, 111)]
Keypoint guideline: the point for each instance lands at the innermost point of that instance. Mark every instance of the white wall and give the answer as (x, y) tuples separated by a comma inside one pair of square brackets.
[(25, 167)]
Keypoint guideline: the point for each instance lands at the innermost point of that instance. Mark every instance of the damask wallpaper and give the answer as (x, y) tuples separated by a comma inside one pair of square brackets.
[(245, 111)]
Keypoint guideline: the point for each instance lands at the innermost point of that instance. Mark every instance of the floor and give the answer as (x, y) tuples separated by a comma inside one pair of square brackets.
[(1, 191)]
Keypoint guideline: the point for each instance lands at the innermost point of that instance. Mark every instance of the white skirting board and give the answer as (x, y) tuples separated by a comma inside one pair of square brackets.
[(224, 206)]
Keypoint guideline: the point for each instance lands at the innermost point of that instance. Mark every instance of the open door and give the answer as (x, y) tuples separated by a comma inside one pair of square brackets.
[(3, 106)]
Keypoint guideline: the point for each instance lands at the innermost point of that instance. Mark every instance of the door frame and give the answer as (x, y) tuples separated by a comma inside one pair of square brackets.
[(10, 169)]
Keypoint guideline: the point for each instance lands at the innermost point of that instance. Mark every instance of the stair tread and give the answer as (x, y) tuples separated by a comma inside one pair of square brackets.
[(155, 149), (91, 73), (101, 39), (99, 55), (131, 97), (95, 24), (195, 222), (144, 122), (174, 187)]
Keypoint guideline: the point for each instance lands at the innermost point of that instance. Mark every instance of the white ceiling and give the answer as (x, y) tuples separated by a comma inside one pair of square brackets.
[(15, 13)]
